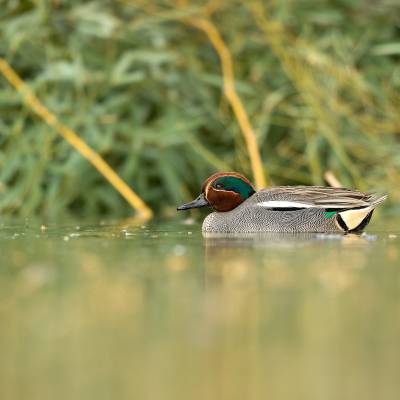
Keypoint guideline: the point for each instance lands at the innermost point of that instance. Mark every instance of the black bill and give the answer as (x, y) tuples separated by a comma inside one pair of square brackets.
[(199, 202)]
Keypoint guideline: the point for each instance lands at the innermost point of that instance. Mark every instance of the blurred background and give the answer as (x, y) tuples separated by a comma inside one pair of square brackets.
[(121, 308), (143, 86)]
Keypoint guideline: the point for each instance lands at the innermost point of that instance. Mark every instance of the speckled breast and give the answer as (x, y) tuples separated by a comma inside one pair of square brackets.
[(252, 219)]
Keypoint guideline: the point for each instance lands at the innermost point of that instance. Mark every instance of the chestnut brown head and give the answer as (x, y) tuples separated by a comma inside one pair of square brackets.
[(222, 191)]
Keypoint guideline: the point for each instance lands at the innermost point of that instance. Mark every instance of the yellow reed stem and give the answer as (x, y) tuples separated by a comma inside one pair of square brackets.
[(71, 137), (331, 179), (233, 98)]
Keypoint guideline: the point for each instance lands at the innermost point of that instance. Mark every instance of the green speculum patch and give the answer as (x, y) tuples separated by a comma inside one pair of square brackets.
[(329, 214)]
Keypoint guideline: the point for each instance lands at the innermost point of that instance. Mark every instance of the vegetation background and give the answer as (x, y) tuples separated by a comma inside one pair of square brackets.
[(141, 84)]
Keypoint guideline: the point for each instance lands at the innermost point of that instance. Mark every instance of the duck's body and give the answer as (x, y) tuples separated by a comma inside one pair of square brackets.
[(297, 209), (282, 209)]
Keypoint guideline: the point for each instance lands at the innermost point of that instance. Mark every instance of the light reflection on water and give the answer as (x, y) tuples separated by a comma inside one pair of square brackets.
[(159, 312)]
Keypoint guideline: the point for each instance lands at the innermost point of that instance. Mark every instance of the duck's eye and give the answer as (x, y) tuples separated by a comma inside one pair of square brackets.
[(219, 186)]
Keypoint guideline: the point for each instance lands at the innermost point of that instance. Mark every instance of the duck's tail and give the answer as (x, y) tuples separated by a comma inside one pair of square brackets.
[(355, 220), (377, 199)]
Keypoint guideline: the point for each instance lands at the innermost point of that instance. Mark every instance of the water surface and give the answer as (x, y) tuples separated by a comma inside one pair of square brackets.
[(120, 310)]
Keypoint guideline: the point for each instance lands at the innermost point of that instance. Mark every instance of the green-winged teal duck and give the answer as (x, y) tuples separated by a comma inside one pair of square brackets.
[(240, 209)]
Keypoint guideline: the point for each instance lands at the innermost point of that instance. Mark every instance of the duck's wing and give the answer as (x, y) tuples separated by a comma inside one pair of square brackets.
[(327, 198)]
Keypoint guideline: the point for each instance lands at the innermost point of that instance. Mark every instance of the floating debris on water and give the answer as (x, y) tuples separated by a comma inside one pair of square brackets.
[(126, 233), (43, 227), (368, 236), (66, 238), (392, 236), (329, 236)]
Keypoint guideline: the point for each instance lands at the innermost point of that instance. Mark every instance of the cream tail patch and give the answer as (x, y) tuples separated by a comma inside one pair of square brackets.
[(353, 218)]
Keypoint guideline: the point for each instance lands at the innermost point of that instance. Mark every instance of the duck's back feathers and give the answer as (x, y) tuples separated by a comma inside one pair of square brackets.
[(327, 198), (349, 209)]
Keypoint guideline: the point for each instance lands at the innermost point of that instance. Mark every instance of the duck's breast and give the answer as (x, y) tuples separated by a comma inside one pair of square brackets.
[(260, 219)]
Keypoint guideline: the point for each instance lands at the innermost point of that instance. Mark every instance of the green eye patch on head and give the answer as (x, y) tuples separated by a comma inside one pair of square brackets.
[(234, 184)]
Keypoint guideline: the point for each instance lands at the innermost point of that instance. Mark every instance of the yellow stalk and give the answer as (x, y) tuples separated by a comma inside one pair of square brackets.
[(233, 98), (72, 138)]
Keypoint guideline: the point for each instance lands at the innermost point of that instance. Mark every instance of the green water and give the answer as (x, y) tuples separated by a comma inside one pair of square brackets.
[(119, 311)]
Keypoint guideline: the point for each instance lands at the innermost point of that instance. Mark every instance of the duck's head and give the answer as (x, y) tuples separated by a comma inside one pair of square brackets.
[(222, 191)]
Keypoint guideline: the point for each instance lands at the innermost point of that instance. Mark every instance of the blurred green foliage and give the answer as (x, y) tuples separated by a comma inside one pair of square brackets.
[(320, 81)]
